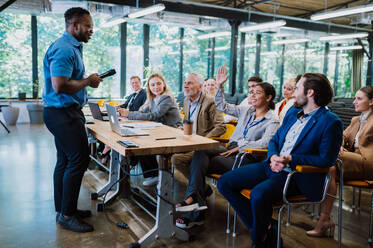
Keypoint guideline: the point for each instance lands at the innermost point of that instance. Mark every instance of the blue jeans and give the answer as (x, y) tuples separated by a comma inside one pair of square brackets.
[(267, 187)]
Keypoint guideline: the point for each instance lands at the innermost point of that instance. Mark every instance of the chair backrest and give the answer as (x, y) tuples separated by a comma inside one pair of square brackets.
[(230, 99), (101, 102), (345, 114), (113, 103), (180, 99), (240, 97), (229, 131)]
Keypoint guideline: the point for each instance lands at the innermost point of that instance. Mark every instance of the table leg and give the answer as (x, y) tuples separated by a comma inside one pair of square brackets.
[(114, 176), (165, 224)]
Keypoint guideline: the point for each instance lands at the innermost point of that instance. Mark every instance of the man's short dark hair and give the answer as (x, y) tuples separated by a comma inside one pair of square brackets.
[(298, 77), (74, 14), (137, 77), (320, 84), (255, 79)]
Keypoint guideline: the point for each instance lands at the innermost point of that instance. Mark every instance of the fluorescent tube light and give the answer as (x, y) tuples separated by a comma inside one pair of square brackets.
[(147, 11), (281, 42), (340, 48), (213, 35), (261, 26), (206, 28), (342, 12), (184, 52), (157, 43), (113, 22), (344, 36), (174, 41), (250, 45), (219, 48)]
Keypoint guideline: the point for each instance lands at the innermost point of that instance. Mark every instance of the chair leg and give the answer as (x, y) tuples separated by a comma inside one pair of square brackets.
[(340, 201), (288, 217), (353, 198), (319, 211), (6, 128), (358, 200), (279, 226), (370, 241), (228, 218), (234, 234), (312, 214)]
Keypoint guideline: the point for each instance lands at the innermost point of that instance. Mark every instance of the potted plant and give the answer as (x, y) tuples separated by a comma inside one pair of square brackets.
[(10, 114), (35, 110), (21, 96)]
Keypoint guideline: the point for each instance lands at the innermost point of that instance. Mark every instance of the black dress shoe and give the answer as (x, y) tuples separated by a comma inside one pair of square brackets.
[(258, 245), (83, 213), (74, 224), (57, 215)]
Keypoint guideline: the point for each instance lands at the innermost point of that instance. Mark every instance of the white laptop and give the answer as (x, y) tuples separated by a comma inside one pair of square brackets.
[(122, 131)]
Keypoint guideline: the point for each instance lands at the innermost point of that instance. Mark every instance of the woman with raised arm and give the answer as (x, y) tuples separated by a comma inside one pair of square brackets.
[(256, 126)]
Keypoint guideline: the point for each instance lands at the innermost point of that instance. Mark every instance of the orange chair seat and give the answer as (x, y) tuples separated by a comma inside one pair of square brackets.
[(246, 193), (214, 176), (359, 183)]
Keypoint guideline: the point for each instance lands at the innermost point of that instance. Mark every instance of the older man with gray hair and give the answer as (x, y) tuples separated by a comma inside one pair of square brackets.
[(201, 109)]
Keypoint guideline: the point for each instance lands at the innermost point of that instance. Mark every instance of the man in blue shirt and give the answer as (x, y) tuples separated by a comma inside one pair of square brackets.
[(309, 135), (64, 95)]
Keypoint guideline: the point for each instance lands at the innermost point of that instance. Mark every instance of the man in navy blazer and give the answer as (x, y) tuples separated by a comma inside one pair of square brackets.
[(137, 98), (309, 135)]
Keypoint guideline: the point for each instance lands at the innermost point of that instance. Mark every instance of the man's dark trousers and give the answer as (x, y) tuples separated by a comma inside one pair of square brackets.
[(68, 128)]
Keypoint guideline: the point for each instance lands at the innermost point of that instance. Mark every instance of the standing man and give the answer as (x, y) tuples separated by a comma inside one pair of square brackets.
[(64, 95), (201, 109), (137, 98), (309, 135)]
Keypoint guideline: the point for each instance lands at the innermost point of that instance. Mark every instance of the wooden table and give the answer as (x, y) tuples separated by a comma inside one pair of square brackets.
[(150, 145)]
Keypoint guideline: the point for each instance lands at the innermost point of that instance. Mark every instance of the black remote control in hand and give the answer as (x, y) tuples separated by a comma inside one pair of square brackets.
[(107, 73)]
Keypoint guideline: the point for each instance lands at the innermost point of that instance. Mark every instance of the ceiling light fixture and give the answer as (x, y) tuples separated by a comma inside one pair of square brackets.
[(147, 11), (261, 26), (113, 22), (342, 12), (344, 36), (340, 48), (213, 35), (219, 48), (282, 42)]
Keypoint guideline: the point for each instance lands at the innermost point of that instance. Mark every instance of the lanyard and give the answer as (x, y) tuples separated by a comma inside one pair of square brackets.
[(191, 113), (252, 125)]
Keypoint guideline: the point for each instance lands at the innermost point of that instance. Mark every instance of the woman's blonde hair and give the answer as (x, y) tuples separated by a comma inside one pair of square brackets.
[(150, 96)]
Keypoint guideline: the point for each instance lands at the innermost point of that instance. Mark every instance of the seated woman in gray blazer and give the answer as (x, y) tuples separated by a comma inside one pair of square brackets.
[(160, 106)]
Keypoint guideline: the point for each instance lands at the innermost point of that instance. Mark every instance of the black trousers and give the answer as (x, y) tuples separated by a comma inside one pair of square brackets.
[(68, 128)]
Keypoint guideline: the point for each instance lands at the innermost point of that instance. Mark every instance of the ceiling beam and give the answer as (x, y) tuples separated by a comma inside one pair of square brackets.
[(340, 5), (6, 5), (201, 9)]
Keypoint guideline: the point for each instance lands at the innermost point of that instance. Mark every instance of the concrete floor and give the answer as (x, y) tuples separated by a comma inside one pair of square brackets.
[(27, 217)]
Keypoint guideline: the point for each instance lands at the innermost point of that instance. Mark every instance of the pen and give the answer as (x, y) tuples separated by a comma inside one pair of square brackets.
[(165, 138)]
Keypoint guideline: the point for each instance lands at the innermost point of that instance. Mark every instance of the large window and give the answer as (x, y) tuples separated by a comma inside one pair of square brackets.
[(195, 53), (165, 54), (100, 54), (135, 53), (270, 61), (50, 28), (15, 55)]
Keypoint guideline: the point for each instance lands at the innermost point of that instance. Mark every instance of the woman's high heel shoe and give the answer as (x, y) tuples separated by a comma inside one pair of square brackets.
[(327, 230)]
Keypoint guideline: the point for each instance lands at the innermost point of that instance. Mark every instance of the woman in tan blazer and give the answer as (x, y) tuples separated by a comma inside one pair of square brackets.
[(356, 155)]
